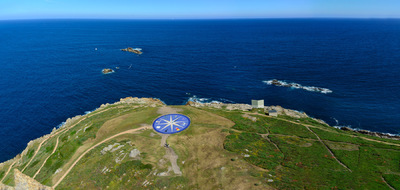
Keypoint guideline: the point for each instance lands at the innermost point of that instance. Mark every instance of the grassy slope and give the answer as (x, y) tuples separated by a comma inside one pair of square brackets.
[(312, 167), (221, 149)]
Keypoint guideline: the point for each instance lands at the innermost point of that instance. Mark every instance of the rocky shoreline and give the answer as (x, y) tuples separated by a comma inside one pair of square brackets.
[(371, 133), (25, 182), (151, 102), (154, 102), (288, 112)]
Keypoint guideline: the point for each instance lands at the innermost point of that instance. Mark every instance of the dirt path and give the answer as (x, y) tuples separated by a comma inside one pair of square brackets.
[(54, 150), (8, 171), (168, 110), (40, 146), (365, 138), (173, 158), (91, 148), (319, 139), (163, 139), (333, 155), (265, 136), (383, 179), (170, 154), (58, 132)]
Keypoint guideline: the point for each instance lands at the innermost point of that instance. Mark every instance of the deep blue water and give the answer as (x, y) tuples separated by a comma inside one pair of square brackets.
[(50, 70)]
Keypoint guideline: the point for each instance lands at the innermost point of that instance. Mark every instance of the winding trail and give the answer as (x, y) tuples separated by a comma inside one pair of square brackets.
[(54, 150), (8, 171), (91, 148), (40, 146), (56, 133)]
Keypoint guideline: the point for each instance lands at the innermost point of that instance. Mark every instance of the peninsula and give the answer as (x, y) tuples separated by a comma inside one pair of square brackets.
[(226, 146)]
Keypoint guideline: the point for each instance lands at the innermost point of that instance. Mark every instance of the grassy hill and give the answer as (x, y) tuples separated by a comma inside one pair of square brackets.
[(222, 149)]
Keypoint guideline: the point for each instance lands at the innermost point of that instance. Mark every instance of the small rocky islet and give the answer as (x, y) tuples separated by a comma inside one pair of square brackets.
[(133, 50), (107, 71), (129, 49)]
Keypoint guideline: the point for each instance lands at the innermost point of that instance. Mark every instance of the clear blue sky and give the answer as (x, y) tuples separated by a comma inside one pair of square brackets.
[(188, 9)]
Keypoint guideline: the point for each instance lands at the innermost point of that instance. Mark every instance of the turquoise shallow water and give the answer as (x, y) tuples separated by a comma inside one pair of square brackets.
[(50, 70)]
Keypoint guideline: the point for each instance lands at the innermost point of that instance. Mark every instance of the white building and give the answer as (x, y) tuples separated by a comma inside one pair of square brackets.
[(257, 104)]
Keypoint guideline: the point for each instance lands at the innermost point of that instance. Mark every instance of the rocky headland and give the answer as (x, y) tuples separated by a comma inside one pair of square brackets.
[(128, 113)]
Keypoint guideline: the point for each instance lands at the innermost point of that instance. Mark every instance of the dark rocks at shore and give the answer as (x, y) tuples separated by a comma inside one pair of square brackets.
[(283, 111), (106, 71), (136, 50), (298, 86), (346, 129), (375, 134)]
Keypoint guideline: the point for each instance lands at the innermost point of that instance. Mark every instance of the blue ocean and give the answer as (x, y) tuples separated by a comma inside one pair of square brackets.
[(51, 69)]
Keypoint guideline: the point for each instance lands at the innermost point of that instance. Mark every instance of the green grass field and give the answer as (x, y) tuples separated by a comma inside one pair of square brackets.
[(220, 150)]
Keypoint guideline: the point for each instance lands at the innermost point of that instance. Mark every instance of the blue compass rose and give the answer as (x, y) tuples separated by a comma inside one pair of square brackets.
[(171, 123)]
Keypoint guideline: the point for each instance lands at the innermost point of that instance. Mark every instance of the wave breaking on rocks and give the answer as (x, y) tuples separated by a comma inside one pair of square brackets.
[(298, 86)]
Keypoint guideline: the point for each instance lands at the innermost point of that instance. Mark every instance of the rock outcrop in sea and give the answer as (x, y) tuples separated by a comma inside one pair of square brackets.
[(133, 50), (106, 71), (298, 86)]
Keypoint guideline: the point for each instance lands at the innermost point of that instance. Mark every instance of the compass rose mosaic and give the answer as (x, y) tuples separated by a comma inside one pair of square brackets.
[(171, 123)]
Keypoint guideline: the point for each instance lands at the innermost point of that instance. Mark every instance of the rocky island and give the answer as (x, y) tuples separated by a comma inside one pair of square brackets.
[(107, 71), (298, 86), (133, 50), (226, 146)]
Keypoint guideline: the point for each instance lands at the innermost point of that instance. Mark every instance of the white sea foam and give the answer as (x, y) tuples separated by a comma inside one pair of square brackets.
[(298, 86), (341, 126), (208, 100), (90, 111), (60, 125), (87, 112)]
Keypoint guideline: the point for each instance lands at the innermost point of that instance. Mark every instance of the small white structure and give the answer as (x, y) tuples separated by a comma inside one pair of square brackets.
[(257, 104), (273, 113)]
